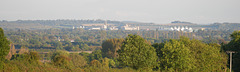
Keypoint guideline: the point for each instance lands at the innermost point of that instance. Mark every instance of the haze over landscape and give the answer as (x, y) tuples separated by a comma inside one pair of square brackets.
[(119, 36), (156, 11)]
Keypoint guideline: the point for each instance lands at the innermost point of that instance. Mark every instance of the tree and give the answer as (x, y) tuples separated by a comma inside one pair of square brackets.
[(95, 66), (234, 45), (190, 55), (174, 56), (4, 48), (208, 56), (4, 45), (96, 63), (30, 57), (69, 46), (105, 63), (33, 56), (137, 53), (110, 47)]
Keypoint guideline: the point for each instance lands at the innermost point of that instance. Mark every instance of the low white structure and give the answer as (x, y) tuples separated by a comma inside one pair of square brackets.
[(184, 29), (127, 27), (82, 27), (95, 28), (113, 28), (72, 40)]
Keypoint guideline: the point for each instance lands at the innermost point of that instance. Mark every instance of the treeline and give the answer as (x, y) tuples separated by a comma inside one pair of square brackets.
[(79, 39), (47, 24), (62, 21), (182, 54), (133, 53), (224, 26), (68, 23)]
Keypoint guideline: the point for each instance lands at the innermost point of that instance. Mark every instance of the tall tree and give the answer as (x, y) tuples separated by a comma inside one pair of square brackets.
[(234, 45), (110, 47), (174, 56), (137, 53), (208, 56), (4, 45), (4, 48)]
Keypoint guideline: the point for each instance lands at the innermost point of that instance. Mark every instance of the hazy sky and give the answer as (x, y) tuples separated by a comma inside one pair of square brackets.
[(157, 11)]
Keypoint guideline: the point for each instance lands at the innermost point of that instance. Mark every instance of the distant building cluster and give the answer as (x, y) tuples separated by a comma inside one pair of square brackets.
[(78, 27), (104, 27), (107, 27), (179, 28), (184, 29)]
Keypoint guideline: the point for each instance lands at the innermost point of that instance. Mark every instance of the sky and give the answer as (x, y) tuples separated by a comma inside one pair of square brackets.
[(155, 11)]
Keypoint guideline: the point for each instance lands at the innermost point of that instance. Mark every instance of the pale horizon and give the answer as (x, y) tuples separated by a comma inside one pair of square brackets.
[(151, 11)]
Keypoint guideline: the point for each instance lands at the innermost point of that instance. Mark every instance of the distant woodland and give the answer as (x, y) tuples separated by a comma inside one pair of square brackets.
[(78, 39)]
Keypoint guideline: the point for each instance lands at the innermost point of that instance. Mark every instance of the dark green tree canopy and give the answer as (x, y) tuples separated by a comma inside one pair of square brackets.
[(234, 45), (4, 45), (235, 35), (137, 53)]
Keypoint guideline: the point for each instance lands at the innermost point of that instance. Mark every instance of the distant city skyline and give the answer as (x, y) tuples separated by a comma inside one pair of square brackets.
[(154, 11)]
